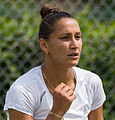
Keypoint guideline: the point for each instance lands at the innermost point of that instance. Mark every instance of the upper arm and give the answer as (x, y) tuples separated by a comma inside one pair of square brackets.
[(20, 99), (16, 115), (98, 96), (96, 114)]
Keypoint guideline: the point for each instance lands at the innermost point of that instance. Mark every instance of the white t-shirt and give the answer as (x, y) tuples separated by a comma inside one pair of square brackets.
[(29, 94)]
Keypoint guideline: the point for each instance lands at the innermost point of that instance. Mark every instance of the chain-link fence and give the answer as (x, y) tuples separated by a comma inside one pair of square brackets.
[(19, 44)]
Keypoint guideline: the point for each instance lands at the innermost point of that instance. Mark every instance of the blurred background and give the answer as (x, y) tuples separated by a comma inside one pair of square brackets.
[(19, 44)]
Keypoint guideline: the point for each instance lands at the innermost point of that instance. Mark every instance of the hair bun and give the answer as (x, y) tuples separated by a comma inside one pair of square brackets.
[(48, 9)]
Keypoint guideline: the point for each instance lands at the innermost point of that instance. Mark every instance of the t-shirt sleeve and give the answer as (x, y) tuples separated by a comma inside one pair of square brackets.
[(20, 99), (98, 92)]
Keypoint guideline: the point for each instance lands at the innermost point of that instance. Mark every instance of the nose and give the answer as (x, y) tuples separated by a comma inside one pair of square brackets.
[(73, 44)]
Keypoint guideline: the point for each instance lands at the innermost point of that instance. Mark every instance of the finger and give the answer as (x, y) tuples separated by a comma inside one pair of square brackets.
[(70, 92), (60, 87), (66, 89), (72, 97)]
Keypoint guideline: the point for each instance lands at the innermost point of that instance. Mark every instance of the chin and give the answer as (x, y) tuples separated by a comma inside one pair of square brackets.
[(73, 64)]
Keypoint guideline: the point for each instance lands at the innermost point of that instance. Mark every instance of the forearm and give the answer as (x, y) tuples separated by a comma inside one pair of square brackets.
[(54, 116)]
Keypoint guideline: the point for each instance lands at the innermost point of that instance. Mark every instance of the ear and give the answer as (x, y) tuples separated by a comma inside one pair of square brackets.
[(44, 45)]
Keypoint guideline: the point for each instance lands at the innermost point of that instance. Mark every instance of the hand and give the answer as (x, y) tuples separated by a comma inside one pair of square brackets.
[(63, 97)]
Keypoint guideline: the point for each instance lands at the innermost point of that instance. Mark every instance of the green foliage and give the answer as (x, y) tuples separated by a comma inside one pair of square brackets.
[(19, 50), (98, 54)]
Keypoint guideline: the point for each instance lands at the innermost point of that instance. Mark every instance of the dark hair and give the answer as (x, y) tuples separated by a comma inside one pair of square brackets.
[(50, 15)]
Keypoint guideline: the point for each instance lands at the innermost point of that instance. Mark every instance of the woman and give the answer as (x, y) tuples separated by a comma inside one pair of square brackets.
[(57, 89)]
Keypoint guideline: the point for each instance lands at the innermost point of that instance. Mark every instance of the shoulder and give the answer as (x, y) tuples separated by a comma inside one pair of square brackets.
[(28, 84), (25, 93), (29, 78), (93, 85), (87, 76)]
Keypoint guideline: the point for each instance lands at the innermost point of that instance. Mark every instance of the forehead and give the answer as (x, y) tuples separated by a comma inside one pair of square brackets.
[(67, 25)]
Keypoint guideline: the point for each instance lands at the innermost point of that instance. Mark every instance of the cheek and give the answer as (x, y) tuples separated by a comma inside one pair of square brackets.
[(80, 45), (58, 47), (55, 49)]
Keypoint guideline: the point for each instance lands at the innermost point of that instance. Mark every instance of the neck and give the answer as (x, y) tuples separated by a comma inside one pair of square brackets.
[(57, 74)]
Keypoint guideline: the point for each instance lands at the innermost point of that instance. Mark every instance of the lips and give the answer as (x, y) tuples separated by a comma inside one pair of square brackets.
[(73, 54)]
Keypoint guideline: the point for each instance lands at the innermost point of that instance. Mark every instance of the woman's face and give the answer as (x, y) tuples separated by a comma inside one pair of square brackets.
[(65, 43)]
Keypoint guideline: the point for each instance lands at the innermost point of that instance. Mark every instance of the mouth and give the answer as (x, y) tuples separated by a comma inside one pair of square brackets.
[(73, 54)]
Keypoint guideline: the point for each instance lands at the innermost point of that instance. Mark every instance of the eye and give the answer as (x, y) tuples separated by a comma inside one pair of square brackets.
[(65, 38), (77, 37)]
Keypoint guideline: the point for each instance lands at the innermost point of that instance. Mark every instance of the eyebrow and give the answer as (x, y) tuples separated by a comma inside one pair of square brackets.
[(79, 33)]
